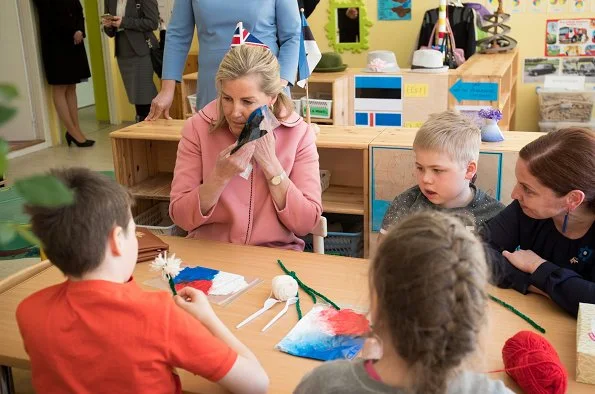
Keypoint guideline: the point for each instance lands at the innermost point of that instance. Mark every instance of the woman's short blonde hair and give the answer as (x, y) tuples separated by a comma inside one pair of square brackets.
[(244, 60), (451, 133)]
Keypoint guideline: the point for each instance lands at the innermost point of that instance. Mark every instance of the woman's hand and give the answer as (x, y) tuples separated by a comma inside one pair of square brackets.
[(116, 21), (78, 37), (229, 165), (162, 102), (525, 260), (106, 22), (265, 155)]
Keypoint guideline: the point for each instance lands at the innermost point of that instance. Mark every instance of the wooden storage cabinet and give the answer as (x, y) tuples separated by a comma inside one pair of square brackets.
[(501, 68), (178, 108), (328, 86)]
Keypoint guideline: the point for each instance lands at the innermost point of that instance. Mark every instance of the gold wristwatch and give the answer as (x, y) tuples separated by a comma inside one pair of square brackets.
[(277, 179)]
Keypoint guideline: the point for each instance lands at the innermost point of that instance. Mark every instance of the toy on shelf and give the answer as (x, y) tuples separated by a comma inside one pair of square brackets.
[(498, 40)]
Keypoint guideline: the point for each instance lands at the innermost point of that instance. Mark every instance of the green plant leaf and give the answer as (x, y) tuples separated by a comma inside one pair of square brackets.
[(7, 233), (3, 158), (44, 190), (24, 231), (6, 113), (8, 92)]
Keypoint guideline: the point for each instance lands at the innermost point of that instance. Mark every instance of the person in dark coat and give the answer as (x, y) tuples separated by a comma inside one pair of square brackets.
[(308, 6), (62, 34)]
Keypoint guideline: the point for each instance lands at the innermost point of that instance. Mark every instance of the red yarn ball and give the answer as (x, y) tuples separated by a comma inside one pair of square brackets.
[(534, 364)]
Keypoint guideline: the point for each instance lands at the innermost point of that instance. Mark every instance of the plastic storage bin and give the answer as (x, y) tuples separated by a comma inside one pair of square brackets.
[(156, 219), (192, 102), (318, 108), (547, 127), (565, 105), (349, 242)]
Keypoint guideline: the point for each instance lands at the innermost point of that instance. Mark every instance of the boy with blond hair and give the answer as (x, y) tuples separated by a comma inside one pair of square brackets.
[(98, 332), (446, 149)]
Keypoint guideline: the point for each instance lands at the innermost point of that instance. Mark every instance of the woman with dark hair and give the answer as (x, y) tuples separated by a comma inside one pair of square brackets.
[(544, 241), (62, 34)]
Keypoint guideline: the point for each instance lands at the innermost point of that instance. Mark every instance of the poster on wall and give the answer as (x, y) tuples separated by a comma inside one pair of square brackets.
[(570, 37), (394, 10), (536, 68), (582, 66), (515, 6), (537, 6), (557, 6)]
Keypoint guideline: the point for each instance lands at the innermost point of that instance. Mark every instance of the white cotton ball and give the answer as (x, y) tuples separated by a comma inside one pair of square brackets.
[(284, 287)]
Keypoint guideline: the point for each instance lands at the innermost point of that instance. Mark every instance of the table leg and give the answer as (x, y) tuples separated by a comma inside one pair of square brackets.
[(6, 382)]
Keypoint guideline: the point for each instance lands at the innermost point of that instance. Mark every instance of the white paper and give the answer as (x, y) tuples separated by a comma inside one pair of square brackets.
[(246, 173), (574, 82)]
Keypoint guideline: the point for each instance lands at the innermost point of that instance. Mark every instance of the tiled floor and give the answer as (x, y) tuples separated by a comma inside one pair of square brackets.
[(98, 157)]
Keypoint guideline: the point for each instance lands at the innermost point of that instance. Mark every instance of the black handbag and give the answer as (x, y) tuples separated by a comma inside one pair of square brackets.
[(155, 48)]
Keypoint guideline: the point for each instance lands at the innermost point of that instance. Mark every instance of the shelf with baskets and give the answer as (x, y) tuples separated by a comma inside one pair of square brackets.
[(145, 154), (328, 95)]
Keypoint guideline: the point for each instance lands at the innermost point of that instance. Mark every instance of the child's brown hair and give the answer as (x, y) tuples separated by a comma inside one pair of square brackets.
[(429, 280), (74, 237)]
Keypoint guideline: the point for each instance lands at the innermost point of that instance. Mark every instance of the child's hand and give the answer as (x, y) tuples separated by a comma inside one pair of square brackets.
[(197, 304)]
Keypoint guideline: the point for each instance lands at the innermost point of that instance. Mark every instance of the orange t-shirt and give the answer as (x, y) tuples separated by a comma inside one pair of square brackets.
[(96, 336)]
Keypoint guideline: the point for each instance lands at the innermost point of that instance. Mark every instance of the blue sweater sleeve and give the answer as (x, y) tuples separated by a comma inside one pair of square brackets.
[(178, 39), (564, 286), (289, 29)]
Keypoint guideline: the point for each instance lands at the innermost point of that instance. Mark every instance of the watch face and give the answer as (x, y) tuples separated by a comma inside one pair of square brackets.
[(276, 180)]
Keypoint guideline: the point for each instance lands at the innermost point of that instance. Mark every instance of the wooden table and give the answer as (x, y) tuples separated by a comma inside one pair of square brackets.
[(342, 279)]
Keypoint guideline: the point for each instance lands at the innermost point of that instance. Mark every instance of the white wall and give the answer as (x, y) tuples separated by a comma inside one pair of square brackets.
[(13, 70), (84, 90)]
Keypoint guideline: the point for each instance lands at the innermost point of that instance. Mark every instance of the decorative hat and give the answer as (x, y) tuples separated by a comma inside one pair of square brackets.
[(428, 61), (330, 62), (382, 62), (242, 36)]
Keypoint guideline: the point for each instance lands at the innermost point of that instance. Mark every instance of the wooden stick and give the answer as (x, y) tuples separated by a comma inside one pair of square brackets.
[(308, 118)]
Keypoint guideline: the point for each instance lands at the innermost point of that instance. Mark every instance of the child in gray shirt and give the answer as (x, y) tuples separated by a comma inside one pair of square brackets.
[(424, 332), (446, 150)]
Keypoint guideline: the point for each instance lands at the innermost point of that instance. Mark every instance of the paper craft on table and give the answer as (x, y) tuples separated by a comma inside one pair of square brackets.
[(327, 334), (220, 287)]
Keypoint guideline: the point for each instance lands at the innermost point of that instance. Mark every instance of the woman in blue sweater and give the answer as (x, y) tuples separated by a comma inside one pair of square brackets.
[(276, 23), (544, 241)]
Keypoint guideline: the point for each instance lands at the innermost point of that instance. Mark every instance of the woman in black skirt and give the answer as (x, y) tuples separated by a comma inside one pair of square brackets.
[(62, 30)]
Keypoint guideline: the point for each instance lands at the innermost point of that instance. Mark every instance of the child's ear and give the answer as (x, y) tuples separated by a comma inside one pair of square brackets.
[(115, 240), (471, 170)]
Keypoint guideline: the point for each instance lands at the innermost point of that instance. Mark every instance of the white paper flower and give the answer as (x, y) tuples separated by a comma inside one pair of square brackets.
[(377, 65), (168, 266)]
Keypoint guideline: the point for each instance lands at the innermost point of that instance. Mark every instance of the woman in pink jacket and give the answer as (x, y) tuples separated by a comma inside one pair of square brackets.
[(281, 198)]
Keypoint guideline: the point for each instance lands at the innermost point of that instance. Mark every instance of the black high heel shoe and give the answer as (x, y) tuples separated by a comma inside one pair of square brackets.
[(70, 139)]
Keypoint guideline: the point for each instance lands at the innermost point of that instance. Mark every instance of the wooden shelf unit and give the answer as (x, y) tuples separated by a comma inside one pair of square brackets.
[(500, 68), (328, 86), (189, 84), (145, 155), (178, 105)]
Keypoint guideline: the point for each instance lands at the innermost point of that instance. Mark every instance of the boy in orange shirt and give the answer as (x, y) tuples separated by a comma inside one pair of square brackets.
[(98, 332)]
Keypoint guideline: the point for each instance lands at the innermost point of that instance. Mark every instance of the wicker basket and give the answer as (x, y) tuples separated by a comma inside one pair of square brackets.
[(565, 106), (156, 219)]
